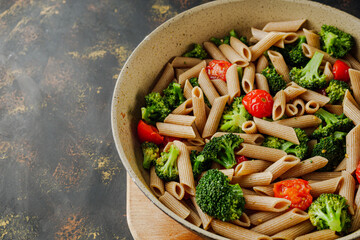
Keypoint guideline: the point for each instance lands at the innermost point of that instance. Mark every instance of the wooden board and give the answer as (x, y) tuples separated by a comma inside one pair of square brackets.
[(148, 222)]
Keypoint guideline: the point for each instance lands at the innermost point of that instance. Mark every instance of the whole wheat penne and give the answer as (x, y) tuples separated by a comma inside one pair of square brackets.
[(198, 140), (309, 52), (252, 180), (311, 144), (214, 117), (228, 172), (353, 149), (282, 165), (319, 235), (312, 38), (214, 51), (355, 83), (175, 130), (166, 77), (178, 72), (175, 189), (261, 64), (156, 184), (276, 130), (205, 219), (187, 89), (264, 190), (279, 64), (193, 216), (337, 109), (248, 78), (199, 108), (293, 90), (232, 231), (184, 108), (192, 72), (194, 147), (174, 205), (311, 107), (347, 190), (328, 71), (185, 62), (220, 86), (261, 82), (260, 152), (282, 222), (279, 105), (232, 55), (261, 217), (355, 223), (306, 166), (290, 110), (351, 111), (240, 48), (300, 105), (284, 26), (185, 120), (232, 81), (248, 192), (317, 97), (351, 98), (256, 139), (321, 176), (287, 38), (295, 231), (353, 62), (266, 203), (290, 37), (341, 166), (249, 127), (327, 186), (207, 86), (243, 221), (253, 166), (264, 44)]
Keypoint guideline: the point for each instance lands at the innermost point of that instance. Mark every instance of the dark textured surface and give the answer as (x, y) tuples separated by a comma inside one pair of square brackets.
[(60, 175)]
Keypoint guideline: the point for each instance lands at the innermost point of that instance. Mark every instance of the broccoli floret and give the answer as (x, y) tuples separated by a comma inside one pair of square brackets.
[(276, 81), (234, 116), (173, 95), (332, 148), (156, 109), (166, 165), (309, 77), (195, 83), (151, 154), (333, 123), (226, 39), (197, 52), (221, 149), (218, 198), (293, 53), (199, 163), (330, 211), (335, 42), (336, 91), (273, 142)]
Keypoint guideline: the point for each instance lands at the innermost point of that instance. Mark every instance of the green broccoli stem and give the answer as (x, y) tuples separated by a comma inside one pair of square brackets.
[(334, 220), (228, 157), (313, 65), (172, 158), (327, 116)]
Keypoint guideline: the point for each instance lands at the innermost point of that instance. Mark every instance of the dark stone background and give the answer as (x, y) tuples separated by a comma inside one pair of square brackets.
[(60, 174)]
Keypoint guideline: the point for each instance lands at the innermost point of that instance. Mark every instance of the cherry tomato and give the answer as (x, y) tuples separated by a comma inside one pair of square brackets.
[(239, 159), (322, 91), (148, 133), (297, 191), (258, 103), (357, 173), (341, 71), (217, 69)]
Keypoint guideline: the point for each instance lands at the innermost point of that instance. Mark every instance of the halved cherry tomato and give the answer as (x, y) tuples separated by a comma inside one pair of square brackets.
[(258, 103), (357, 173), (239, 159), (341, 71), (148, 133), (216, 69), (297, 191)]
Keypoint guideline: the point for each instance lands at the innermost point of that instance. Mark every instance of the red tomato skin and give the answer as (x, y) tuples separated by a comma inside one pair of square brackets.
[(297, 191), (216, 69), (258, 103), (322, 91), (148, 133), (341, 71), (239, 159), (357, 172)]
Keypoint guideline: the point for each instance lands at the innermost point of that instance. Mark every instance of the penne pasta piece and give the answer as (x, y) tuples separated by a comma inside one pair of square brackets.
[(214, 117), (353, 62), (355, 83), (196, 148), (305, 121), (185, 120), (258, 34), (261, 82), (355, 223), (233, 56), (220, 86), (264, 44), (312, 38), (248, 78), (232, 81), (264, 190), (290, 110), (186, 176), (284, 26), (337, 109), (317, 97), (198, 140), (328, 72), (279, 105), (205, 219), (207, 86), (282, 222), (282, 165), (295, 231), (311, 144), (232, 231), (311, 107), (193, 216), (309, 52), (192, 72), (187, 89), (352, 149), (175, 189), (174, 205), (199, 108), (184, 108), (300, 105), (290, 37), (178, 72), (249, 127), (240, 48), (253, 166), (279, 64), (341, 166), (261, 217), (319, 235), (214, 51), (306, 166), (175, 130), (228, 172), (185, 62), (252, 180), (265, 203), (256, 139), (260, 152), (327, 186), (156, 184), (276, 130), (293, 90), (243, 221), (261, 64), (351, 99), (347, 190), (350, 110), (321, 176), (248, 192), (166, 78)]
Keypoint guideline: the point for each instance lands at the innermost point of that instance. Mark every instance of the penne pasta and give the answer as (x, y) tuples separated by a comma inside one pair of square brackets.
[(353, 62), (317, 97), (265, 203), (207, 86), (319, 235), (185, 62), (192, 72), (279, 64), (255, 139), (252, 180), (327, 186), (351, 98), (309, 51), (175, 189), (291, 110), (187, 89), (261, 217), (185, 120), (214, 51), (264, 190), (341, 166), (261, 82), (300, 105), (355, 83), (282, 165), (193, 216), (352, 149), (248, 78), (355, 224), (337, 109), (220, 86), (174, 205), (233, 56), (175, 130), (232, 81), (328, 71), (253, 166), (264, 44), (244, 221), (305, 166), (214, 117), (205, 219), (321, 176), (284, 26), (249, 127), (156, 184), (311, 107), (347, 190), (198, 140), (166, 78), (184, 108), (240, 48), (295, 231), (312, 38), (199, 108), (261, 64), (293, 90), (260, 152), (279, 105), (350, 109)]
